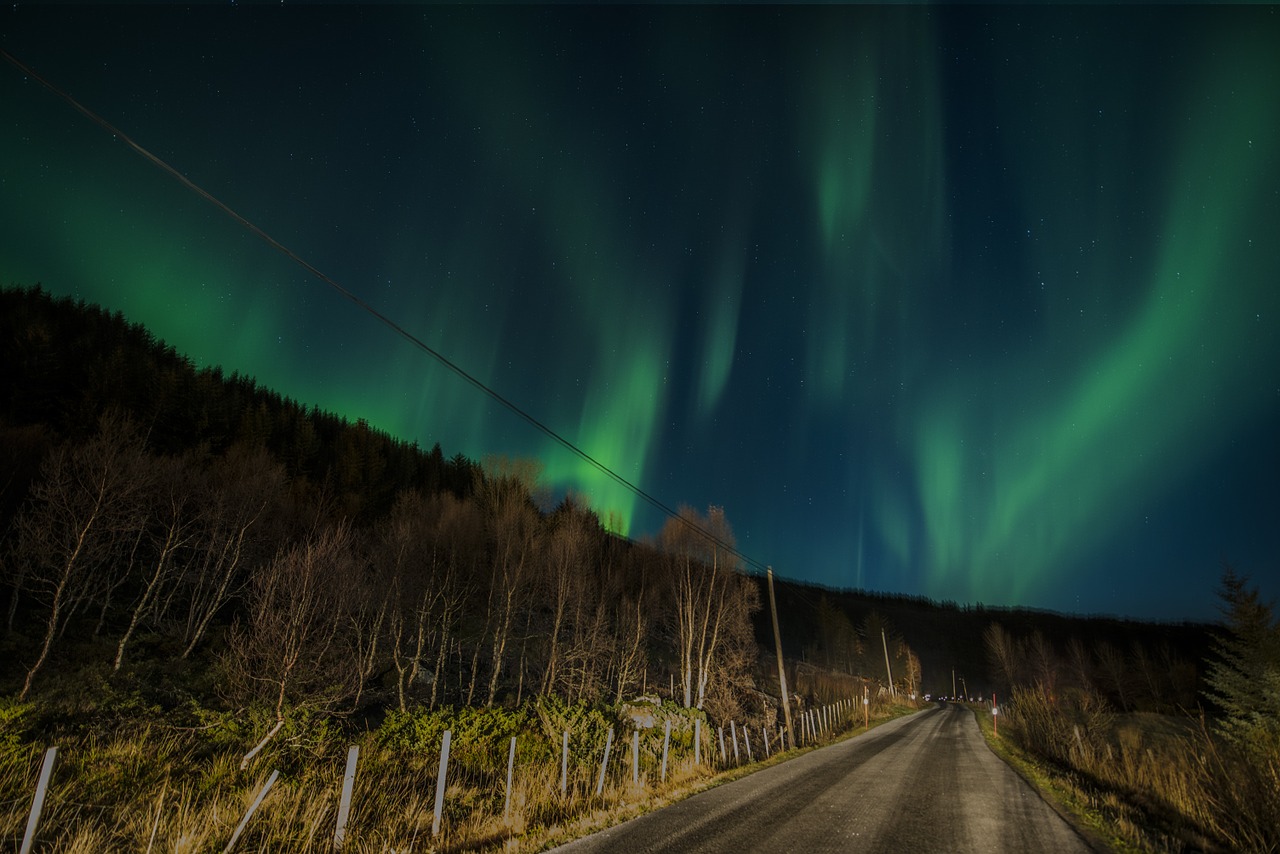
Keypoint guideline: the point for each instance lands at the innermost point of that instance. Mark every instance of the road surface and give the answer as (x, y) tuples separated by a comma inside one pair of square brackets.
[(926, 782)]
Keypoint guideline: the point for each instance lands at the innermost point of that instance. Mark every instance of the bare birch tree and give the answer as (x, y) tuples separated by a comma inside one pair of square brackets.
[(565, 571), (238, 493), (1113, 671), (634, 611), (1042, 661), (1079, 666), (171, 526), (710, 600), (85, 499), (417, 550), (290, 648), (513, 522), (1004, 654)]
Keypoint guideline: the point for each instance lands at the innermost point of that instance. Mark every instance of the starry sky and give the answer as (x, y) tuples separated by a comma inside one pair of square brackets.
[(975, 303)]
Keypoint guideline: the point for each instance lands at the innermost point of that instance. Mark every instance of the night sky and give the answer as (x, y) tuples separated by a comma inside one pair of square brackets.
[(980, 304)]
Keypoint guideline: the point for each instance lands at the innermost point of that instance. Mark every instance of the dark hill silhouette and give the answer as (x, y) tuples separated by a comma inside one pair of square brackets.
[(68, 363)]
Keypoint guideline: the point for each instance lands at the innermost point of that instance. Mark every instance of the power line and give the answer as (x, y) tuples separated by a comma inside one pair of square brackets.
[(367, 307)]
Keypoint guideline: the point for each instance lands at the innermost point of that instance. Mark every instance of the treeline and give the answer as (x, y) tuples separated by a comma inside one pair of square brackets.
[(158, 514), (471, 600), (948, 638), (1171, 782), (1133, 678), (441, 580), (68, 362)]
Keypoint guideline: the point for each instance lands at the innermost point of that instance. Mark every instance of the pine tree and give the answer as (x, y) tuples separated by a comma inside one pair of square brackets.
[(1244, 677)]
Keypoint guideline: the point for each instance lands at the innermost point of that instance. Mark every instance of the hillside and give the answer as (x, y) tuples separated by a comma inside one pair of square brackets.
[(434, 552)]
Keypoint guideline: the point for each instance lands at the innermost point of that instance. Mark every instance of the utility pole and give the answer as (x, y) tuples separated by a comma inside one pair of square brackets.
[(885, 643), (782, 675), (953, 681)]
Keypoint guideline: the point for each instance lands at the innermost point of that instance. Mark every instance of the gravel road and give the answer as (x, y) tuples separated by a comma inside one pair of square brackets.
[(926, 782)]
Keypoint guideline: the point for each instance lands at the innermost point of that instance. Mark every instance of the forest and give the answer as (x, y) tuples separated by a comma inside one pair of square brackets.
[(174, 517), (179, 516), (187, 547)]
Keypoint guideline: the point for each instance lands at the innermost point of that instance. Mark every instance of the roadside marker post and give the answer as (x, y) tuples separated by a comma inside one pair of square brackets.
[(604, 763), (440, 782), (344, 802), (995, 715), (37, 804), (666, 745), (511, 765), (257, 802), (564, 765)]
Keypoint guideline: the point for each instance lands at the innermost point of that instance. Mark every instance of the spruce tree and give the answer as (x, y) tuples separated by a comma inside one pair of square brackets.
[(1244, 675)]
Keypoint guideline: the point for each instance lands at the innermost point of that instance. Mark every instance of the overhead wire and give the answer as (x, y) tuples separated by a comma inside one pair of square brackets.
[(382, 318)]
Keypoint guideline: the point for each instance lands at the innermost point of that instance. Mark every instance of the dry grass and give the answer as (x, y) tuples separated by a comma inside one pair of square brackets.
[(157, 789), (1146, 782)]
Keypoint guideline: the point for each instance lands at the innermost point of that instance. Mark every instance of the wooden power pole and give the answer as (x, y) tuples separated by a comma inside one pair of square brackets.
[(887, 670), (782, 674)]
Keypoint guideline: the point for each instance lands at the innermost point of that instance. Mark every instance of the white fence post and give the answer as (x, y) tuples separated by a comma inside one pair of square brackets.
[(604, 763), (511, 764), (344, 803), (697, 741), (257, 802), (564, 765), (723, 756), (746, 737), (733, 733), (37, 803), (635, 757), (441, 778), (764, 734), (666, 743)]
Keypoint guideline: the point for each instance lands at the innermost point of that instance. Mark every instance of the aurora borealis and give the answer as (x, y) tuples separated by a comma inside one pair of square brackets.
[(979, 304)]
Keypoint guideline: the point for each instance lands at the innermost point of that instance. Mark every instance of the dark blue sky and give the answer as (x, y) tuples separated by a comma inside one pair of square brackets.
[(978, 304)]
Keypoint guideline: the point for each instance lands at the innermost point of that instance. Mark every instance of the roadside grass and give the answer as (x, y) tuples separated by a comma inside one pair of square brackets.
[(1076, 803), (1142, 782), (167, 785)]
